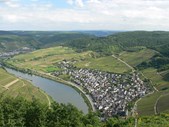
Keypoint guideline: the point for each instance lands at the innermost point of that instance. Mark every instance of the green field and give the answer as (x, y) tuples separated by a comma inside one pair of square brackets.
[(163, 105), (156, 78), (46, 59), (16, 87), (107, 63), (146, 104), (135, 58), (159, 99)]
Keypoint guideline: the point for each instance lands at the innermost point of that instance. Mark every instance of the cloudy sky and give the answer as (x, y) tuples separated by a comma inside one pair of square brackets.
[(84, 14)]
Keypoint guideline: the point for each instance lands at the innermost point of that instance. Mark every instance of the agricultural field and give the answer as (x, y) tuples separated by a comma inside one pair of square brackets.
[(162, 105), (135, 58), (46, 59), (17, 87), (165, 75), (146, 104), (156, 78), (154, 103), (107, 63)]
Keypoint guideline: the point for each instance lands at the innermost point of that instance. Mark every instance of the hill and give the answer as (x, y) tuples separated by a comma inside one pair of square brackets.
[(128, 41), (100, 33), (151, 47), (12, 40), (47, 60), (12, 86), (146, 52)]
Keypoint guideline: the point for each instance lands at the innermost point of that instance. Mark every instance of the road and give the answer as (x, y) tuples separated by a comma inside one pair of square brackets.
[(11, 83), (124, 63)]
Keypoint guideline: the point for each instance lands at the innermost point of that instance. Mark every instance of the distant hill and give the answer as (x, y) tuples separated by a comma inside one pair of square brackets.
[(130, 41), (10, 40), (100, 33), (86, 40), (158, 40)]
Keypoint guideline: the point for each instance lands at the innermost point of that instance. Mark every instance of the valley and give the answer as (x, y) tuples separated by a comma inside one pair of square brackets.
[(84, 63), (113, 76), (48, 61)]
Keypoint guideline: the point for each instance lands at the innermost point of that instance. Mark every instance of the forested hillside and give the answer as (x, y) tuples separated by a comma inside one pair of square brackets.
[(155, 40), (12, 40), (21, 113), (129, 41)]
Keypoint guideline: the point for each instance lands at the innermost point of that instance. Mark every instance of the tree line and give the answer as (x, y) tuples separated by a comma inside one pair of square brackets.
[(21, 113)]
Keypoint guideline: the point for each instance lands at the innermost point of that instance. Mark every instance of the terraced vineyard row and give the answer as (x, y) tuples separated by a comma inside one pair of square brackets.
[(17, 87)]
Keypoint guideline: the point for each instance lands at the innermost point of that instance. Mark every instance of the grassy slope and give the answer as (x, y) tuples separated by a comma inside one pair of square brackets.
[(108, 63), (162, 106), (146, 105), (156, 78), (135, 58), (45, 59), (42, 60), (21, 88), (162, 86)]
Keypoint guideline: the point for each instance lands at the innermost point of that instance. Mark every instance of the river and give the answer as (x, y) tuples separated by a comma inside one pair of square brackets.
[(61, 93)]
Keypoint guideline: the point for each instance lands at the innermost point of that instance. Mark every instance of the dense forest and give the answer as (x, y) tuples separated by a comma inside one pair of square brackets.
[(21, 113), (128, 41)]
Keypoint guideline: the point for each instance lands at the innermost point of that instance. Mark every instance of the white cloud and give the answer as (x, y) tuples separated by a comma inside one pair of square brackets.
[(79, 3), (11, 3), (70, 2), (87, 14)]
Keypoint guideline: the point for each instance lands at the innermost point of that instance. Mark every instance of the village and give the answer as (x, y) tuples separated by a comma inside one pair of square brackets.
[(15, 52), (111, 93)]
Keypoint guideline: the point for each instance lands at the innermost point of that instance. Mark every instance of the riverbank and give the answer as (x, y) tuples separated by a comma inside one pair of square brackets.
[(17, 87), (86, 97)]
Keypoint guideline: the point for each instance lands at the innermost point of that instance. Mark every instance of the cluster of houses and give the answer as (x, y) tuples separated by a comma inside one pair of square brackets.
[(15, 52), (111, 93)]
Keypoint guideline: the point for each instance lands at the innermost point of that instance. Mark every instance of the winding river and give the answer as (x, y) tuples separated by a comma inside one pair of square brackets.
[(59, 92)]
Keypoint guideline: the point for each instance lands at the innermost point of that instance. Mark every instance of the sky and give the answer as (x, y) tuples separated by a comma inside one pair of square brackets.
[(84, 15)]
